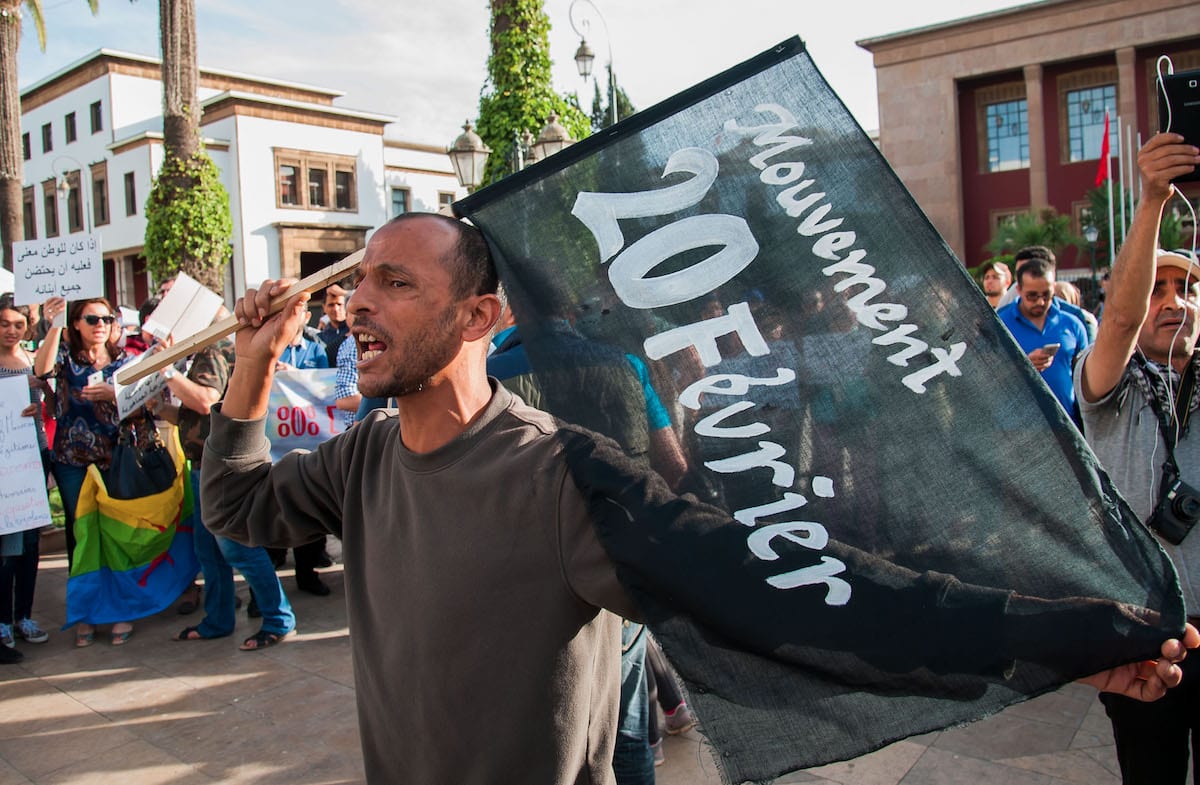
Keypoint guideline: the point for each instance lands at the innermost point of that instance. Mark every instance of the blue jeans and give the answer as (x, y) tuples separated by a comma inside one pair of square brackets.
[(218, 557), (633, 760), (70, 484)]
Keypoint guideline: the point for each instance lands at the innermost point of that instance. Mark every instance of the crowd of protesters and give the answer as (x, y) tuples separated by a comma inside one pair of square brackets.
[(72, 399)]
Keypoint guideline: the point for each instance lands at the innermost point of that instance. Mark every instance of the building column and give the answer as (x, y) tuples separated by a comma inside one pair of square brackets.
[(1039, 196), (1127, 98)]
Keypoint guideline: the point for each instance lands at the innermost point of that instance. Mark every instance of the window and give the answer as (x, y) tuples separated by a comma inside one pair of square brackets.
[(100, 194), (317, 194), (130, 194), (50, 206), (69, 124), (30, 213), (74, 203), (1007, 136), (288, 184), (445, 199), (305, 181), (343, 188), (97, 118), (26, 147), (1085, 121), (47, 138), (400, 201)]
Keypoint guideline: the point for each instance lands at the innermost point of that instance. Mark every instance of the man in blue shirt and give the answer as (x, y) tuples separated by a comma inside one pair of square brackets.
[(1048, 334)]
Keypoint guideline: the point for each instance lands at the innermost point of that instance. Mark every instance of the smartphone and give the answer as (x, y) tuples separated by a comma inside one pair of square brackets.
[(1051, 348), (96, 378), (1179, 111)]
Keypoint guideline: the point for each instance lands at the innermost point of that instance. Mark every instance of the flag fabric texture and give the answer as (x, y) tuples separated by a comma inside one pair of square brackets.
[(133, 557), (1105, 155), (892, 526)]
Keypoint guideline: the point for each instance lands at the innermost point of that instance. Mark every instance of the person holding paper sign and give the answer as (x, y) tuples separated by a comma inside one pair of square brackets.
[(18, 568), (87, 422)]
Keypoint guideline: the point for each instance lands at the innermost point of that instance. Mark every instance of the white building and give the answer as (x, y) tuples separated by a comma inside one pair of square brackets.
[(307, 180)]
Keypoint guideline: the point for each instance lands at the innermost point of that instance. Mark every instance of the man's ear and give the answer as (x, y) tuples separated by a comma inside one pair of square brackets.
[(484, 310)]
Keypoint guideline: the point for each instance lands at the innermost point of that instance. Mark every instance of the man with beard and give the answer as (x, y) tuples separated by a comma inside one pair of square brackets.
[(1137, 392), (1048, 334), (994, 278), (475, 581)]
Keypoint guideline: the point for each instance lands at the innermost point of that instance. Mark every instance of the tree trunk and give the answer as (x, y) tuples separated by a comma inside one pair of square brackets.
[(180, 78), (12, 225)]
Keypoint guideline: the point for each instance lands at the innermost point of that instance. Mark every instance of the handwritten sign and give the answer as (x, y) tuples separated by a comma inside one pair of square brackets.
[(302, 413), (131, 397), (69, 267), (23, 502), (184, 311)]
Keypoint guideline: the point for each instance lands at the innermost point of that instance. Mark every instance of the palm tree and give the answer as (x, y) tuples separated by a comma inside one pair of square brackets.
[(12, 227), (187, 215)]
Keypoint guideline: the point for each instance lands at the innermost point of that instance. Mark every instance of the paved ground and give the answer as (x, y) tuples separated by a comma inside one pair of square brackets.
[(157, 711)]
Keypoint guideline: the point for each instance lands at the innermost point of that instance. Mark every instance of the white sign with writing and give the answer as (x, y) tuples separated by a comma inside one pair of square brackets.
[(184, 311), (23, 502), (303, 410), (69, 267), (132, 397)]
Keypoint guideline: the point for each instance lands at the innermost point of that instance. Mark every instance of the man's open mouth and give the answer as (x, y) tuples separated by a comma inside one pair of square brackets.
[(369, 347)]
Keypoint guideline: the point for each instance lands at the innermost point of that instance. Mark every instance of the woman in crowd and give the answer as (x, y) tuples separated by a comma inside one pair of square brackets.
[(19, 559), (87, 423)]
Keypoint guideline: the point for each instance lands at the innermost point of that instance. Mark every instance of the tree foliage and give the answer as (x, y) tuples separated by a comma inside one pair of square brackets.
[(1170, 230), (187, 222), (602, 105), (518, 95), (1042, 227)]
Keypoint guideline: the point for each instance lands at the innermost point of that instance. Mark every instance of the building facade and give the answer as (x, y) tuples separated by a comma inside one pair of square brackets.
[(1003, 113), (307, 180)]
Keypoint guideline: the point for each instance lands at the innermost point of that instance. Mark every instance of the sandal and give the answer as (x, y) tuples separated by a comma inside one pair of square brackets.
[(121, 638), (84, 639), (264, 640), (189, 634)]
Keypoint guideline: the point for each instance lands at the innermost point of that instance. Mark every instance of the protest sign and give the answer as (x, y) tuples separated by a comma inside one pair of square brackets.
[(903, 528), (131, 397), (184, 311), (69, 267), (302, 413), (23, 502)]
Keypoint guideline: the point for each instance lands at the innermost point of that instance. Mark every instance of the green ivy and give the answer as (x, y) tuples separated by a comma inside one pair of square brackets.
[(188, 225), (519, 95)]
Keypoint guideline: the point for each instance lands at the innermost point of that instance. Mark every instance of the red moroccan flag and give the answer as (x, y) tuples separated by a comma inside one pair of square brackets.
[(1102, 169)]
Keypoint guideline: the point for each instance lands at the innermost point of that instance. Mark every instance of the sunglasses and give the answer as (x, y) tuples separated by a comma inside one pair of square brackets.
[(93, 320)]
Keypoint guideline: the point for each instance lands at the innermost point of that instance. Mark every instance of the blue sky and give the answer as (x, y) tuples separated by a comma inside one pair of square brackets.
[(424, 62)]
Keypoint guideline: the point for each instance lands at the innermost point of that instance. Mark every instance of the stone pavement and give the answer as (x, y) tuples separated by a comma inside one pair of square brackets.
[(158, 711)]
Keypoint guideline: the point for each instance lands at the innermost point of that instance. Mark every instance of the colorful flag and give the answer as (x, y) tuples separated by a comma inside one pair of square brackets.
[(894, 525), (133, 557)]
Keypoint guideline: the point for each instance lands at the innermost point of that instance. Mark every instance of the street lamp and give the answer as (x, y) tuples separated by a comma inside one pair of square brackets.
[(468, 155), (584, 56), (1092, 234), (63, 178)]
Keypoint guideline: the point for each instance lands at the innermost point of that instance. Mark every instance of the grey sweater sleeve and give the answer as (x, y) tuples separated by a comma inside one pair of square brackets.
[(247, 499)]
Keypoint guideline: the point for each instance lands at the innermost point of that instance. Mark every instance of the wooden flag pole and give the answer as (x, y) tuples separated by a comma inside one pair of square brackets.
[(210, 335)]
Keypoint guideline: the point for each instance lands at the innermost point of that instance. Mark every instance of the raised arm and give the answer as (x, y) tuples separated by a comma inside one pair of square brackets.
[(1163, 157), (47, 353), (259, 344)]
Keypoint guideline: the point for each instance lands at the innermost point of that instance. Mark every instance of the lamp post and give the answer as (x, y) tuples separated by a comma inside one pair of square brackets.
[(1092, 234), (469, 155), (62, 176), (585, 56)]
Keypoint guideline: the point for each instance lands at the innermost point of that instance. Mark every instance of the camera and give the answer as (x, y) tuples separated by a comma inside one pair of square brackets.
[(1177, 510)]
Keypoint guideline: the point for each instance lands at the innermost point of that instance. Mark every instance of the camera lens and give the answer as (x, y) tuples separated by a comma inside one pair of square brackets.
[(1186, 507)]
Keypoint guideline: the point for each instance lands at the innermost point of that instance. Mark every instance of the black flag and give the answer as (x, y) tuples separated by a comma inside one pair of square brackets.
[(892, 525)]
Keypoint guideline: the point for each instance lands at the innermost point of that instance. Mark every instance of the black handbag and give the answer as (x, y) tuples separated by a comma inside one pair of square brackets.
[(135, 473)]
